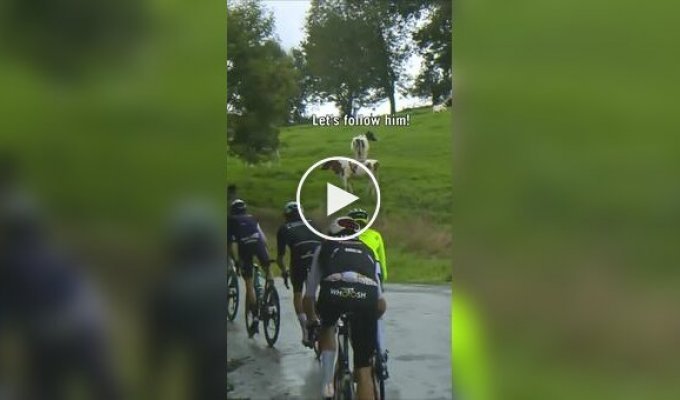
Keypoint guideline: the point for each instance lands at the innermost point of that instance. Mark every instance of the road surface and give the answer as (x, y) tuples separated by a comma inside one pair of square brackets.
[(417, 334)]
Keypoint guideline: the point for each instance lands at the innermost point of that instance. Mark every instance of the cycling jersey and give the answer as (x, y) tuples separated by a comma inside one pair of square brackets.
[(346, 274), (246, 232), (347, 261), (374, 241), (346, 256), (244, 229), (302, 243)]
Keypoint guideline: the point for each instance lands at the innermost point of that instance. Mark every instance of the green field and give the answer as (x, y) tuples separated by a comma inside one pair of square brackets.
[(415, 179)]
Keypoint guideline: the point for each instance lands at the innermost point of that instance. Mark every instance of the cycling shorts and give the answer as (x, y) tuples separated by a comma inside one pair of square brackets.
[(247, 252), (298, 274), (338, 297)]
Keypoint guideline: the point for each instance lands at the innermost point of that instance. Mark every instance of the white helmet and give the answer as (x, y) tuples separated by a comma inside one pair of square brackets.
[(343, 226)]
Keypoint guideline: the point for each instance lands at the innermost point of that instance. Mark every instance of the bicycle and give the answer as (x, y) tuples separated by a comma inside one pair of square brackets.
[(343, 380), (267, 306), (232, 290)]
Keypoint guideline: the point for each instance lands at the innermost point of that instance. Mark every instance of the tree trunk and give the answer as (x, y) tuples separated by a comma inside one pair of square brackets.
[(392, 97), (346, 107)]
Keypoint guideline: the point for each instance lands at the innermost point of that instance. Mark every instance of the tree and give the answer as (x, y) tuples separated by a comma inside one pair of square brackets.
[(305, 84), (391, 47), (260, 82), (435, 45), (345, 52)]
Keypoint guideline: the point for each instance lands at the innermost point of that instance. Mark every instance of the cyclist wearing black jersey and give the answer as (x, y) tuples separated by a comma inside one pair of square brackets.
[(345, 274), (244, 230), (302, 243)]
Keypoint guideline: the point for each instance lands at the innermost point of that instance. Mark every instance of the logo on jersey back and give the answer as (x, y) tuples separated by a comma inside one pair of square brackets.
[(348, 293)]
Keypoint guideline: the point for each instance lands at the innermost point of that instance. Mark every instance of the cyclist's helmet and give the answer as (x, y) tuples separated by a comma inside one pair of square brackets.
[(343, 226), (238, 206), (360, 215)]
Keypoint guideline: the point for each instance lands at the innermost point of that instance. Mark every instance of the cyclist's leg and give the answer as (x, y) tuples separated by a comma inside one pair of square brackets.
[(298, 275), (263, 257), (246, 257), (364, 331), (329, 312)]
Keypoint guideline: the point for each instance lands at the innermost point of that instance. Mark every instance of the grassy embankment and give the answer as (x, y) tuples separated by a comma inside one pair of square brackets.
[(415, 180)]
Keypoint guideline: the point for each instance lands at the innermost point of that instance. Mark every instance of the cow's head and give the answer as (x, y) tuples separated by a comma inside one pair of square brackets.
[(371, 136)]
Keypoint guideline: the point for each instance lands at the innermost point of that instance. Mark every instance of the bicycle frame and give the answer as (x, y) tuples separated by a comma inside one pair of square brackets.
[(344, 378), (267, 305)]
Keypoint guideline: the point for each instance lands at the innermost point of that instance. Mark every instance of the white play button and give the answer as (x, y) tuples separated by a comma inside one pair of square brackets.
[(337, 199), (320, 201)]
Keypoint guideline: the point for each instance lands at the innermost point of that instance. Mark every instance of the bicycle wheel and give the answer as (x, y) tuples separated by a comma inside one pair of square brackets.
[(257, 277), (378, 382), (272, 315), (344, 378), (232, 295), (344, 386)]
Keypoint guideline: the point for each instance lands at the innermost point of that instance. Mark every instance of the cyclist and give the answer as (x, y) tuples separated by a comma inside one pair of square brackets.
[(373, 239), (244, 230), (345, 273), (302, 243)]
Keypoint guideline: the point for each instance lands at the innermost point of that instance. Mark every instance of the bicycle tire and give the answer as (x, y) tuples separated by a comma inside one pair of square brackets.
[(347, 387), (257, 276), (232, 295), (272, 314), (344, 377), (378, 382)]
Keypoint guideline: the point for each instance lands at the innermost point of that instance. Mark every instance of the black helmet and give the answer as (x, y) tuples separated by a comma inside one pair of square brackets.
[(360, 215), (238, 206)]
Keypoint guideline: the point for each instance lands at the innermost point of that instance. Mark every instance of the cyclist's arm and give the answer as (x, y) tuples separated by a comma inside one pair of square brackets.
[(281, 247), (382, 304), (382, 258), (313, 280), (262, 235)]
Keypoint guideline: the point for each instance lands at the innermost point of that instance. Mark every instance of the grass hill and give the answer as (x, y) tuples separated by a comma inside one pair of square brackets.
[(415, 179)]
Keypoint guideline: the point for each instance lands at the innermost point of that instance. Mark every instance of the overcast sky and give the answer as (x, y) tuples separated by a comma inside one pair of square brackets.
[(290, 15)]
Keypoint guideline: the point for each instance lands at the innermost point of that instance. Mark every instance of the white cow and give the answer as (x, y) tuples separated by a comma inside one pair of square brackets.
[(347, 170), (360, 146)]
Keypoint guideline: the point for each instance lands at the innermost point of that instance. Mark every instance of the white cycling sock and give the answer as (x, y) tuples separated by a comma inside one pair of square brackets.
[(381, 334), (327, 365), (302, 318)]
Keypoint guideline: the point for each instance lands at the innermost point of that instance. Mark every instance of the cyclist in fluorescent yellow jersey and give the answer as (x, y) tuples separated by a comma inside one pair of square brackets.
[(373, 239)]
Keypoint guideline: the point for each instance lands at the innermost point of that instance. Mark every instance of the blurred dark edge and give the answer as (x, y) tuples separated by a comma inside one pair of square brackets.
[(567, 192), (113, 139)]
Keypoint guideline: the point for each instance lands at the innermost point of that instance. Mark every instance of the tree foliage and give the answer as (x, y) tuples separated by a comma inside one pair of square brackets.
[(434, 42), (260, 82), (305, 84), (347, 54)]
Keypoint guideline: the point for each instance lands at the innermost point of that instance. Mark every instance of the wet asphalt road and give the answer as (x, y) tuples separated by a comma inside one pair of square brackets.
[(417, 336)]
